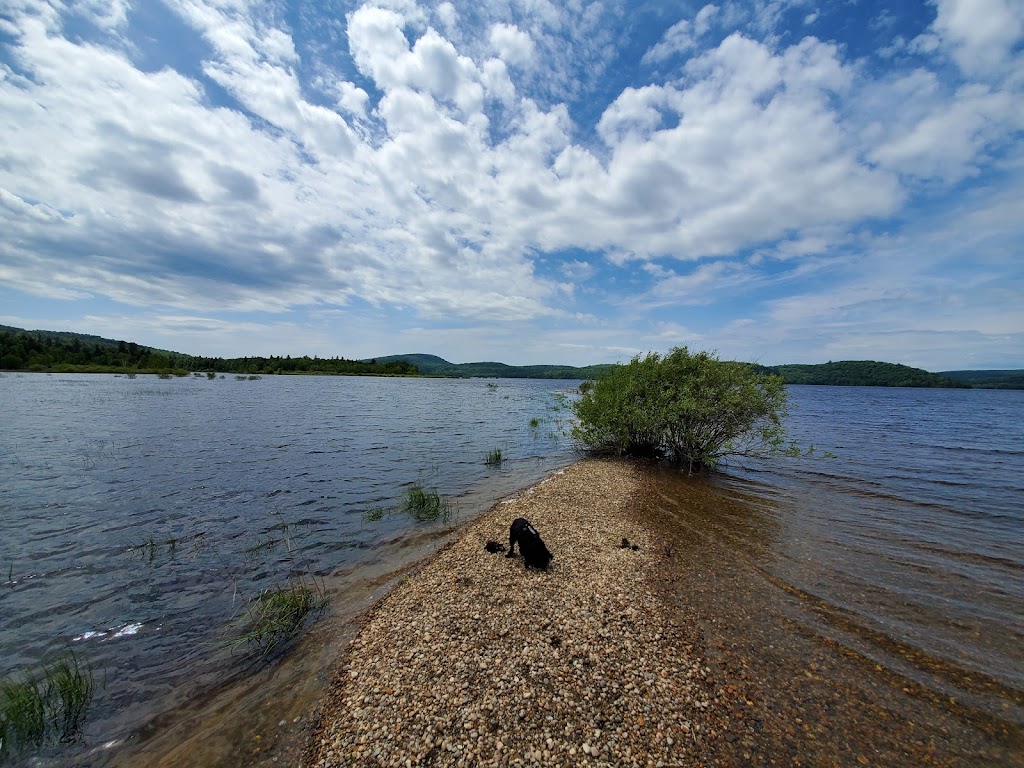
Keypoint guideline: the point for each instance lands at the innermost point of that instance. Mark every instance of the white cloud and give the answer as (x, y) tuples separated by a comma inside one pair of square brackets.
[(681, 37), (980, 34), (429, 182), (512, 45)]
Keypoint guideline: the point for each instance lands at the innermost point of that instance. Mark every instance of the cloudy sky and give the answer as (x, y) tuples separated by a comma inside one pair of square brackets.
[(519, 180)]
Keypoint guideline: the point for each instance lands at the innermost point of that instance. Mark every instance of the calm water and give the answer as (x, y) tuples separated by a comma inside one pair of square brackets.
[(914, 532)]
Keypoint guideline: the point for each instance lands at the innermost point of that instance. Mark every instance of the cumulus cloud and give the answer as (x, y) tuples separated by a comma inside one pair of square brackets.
[(431, 171), (512, 45), (980, 34)]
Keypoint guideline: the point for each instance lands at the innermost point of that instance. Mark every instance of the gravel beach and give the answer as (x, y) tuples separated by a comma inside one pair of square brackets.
[(476, 660), (679, 650)]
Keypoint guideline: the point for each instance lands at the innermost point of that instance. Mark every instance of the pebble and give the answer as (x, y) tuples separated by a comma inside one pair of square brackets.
[(486, 666)]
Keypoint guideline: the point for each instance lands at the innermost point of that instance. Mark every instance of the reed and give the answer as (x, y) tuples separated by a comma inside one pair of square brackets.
[(277, 615), (423, 505), (22, 715), (69, 691), (494, 458), (34, 710)]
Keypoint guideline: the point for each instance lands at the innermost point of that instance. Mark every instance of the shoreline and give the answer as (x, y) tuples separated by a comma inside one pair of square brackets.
[(680, 654), (583, 649), (475, 660)]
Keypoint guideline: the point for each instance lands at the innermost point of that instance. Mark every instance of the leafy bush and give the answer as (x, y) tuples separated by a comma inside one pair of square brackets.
[(691, 408)]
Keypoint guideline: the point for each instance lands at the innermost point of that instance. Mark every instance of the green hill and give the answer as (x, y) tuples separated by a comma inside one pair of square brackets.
[(431, 365), (988, 379), (65, 352), (862, 373)]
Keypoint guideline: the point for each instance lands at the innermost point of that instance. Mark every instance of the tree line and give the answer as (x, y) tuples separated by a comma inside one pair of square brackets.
[(51, 352)]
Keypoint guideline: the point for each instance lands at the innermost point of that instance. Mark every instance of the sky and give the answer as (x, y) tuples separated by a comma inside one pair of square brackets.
[(778, 181)]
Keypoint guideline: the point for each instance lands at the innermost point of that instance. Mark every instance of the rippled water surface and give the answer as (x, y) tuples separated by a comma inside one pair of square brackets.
[(910, 542), (140, 515)]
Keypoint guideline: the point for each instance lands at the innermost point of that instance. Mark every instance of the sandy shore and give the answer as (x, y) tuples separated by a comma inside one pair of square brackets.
[(475, 660)]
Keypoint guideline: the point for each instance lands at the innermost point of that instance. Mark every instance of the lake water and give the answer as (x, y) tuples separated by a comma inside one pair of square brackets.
[(139, 516)]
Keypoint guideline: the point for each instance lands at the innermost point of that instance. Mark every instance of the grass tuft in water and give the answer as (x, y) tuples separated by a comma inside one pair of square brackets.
[(22, 715), (374, 515), (279, 614), (423, 505), (494, 458), (534, 423), (34, 710), (69, 690)]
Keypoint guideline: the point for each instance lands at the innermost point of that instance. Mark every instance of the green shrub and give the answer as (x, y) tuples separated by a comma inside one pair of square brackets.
[(693, 409)]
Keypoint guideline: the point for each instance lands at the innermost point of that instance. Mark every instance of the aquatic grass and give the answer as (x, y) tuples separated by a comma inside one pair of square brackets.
[(69, 691), (374, 514), (277, 615), (22, 714), (36, 709), (534, 423), (423, 505), (494, 458)]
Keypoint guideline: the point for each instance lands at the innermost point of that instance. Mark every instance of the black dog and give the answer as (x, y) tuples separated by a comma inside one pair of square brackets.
[(535, 554)]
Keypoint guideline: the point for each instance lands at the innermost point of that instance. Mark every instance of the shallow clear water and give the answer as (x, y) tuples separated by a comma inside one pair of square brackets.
[(911, 540), (140, 515)]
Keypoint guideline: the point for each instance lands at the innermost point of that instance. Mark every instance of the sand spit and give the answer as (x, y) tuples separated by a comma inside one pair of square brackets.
[(475, 660)]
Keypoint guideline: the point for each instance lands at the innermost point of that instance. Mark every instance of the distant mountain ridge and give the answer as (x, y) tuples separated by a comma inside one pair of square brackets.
[(89, 353), (432, 365)]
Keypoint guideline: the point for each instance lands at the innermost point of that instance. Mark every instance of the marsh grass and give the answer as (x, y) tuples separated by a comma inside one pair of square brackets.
[(278, 615), (69, 691), (22, 714), (35, 709), (418, 503), (534, 423), (494, 458), (426, 506)]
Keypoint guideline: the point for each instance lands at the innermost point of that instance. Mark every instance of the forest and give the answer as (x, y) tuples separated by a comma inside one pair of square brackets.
[(862, 373), (70, 353)]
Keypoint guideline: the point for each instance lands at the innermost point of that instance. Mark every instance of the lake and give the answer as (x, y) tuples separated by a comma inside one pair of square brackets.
[(140, 517)]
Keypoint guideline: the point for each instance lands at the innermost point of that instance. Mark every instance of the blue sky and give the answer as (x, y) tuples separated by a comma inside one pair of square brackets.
[(519, 180)]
